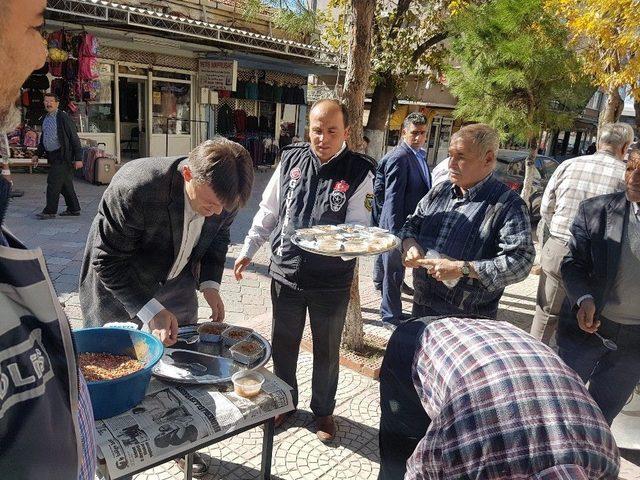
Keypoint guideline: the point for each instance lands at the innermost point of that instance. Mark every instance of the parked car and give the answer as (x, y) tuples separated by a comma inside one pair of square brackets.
[(510, 169)]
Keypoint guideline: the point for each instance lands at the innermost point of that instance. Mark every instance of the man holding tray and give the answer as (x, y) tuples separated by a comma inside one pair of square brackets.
[(317, 183)]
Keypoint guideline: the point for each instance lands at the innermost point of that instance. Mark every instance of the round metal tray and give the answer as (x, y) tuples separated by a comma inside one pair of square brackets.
[(204, 363), (295, 239)]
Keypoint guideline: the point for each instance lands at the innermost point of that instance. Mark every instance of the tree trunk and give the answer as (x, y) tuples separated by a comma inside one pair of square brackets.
[(636, 106), (381, 102), (353, 335), (613, 108), (530, 169), (355, 87), (358, 66)]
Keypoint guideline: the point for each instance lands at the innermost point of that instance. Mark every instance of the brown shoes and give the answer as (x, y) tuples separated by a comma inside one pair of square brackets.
[(326, 428)]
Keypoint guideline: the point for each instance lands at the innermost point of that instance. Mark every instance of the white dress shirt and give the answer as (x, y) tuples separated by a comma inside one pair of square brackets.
[(267, 217), (191, 230)]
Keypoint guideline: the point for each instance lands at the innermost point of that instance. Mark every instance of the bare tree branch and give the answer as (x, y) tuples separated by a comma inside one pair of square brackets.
[(427, 44)]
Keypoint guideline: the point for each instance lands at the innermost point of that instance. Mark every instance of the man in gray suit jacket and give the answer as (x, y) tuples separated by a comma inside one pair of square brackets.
[(161, 233)]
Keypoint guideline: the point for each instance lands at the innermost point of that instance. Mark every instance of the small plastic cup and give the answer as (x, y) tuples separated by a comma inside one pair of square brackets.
[(432, 254), (247, 383)]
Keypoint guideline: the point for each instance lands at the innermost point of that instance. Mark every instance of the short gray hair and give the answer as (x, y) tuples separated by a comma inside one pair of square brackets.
[(484, 137), (616, 135), (414, 118)]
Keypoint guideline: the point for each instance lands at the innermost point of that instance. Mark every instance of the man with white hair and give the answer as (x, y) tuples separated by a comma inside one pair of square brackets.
[(470, 234), (573, 181)]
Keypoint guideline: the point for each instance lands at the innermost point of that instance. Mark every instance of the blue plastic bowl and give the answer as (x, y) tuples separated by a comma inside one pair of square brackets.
[(113, 397)]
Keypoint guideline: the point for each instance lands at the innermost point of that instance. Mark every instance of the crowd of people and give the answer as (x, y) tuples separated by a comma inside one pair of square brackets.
[(462, 395)]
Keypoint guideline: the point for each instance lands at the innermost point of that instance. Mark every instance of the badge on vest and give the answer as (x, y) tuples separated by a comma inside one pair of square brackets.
[(368, 202), (295, 173), (338, 197)]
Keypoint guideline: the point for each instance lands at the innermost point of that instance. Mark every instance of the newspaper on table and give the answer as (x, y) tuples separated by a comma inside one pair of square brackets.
[(175, 418)]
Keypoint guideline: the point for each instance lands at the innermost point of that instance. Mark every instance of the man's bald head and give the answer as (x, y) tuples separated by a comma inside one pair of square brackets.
[(329, 105), (328, 128)]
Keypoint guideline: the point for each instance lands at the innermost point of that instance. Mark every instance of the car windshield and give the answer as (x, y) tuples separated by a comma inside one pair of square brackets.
[(514, 169)]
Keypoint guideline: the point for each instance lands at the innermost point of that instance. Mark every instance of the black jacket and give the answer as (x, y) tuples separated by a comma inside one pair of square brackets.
[(314, 194), (136, 237), (591, 265), (68, 138)]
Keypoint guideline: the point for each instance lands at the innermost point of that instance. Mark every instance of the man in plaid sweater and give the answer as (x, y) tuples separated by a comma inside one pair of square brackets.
[(467, 398)]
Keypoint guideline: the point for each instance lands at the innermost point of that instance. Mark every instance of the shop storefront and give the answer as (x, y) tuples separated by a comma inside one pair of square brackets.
[(137, 109), (439, 129), (266, 112)]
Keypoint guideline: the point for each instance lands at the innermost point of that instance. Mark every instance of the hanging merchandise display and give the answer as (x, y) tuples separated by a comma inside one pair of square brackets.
[(248, 114)]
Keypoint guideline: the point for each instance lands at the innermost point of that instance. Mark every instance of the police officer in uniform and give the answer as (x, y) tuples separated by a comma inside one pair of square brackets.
[(316, 183)]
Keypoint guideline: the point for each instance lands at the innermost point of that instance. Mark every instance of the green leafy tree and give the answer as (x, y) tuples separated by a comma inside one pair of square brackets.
[(407, 42), (511, 68)]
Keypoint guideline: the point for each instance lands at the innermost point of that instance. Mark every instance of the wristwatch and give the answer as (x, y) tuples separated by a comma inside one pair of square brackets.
[(465, 269)]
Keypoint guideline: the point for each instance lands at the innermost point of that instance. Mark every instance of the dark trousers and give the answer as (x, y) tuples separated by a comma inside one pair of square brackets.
[(378, 272), (326, 314), (612, 375), (403, 421), (60, 181), (392, 278)]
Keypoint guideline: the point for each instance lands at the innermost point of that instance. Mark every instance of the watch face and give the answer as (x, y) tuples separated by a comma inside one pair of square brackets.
[(465, 270)]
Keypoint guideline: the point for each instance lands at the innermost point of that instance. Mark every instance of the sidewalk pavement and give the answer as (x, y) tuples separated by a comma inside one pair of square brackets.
[(297, 453)]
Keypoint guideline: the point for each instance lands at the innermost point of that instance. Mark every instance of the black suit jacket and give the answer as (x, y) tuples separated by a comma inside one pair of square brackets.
[(592, 263), (68, 138), (136, 236)]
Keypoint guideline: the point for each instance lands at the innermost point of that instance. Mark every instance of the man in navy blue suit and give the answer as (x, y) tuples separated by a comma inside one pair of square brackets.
[(402, 179)]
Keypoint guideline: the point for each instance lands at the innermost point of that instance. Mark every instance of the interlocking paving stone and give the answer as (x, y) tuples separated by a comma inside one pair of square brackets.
[(297, 454)]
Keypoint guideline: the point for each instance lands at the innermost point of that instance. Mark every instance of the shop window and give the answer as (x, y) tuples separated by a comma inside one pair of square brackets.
[(98, 115), (171, 75), (171, 107)]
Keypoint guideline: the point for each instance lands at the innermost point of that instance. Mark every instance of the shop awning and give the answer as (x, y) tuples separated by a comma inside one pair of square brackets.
[(142, 20)]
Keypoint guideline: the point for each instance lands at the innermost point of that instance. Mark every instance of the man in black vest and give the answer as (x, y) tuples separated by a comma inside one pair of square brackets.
[(317, 183)]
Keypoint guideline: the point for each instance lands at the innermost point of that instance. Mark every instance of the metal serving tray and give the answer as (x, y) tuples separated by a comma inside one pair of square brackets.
[(306, 239), (204, 363)]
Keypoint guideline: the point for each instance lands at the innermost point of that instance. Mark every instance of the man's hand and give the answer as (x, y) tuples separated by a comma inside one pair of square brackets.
[(586, 314), (34, 160), (412, 252), (442, 269), (240, 265), (77, 165), (212, 296), (165, 326)]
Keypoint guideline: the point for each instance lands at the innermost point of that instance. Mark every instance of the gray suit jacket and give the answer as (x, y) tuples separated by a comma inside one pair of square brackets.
[(136, 237)]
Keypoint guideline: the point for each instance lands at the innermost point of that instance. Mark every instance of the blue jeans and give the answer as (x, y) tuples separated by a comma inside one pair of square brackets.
[(612, 375)]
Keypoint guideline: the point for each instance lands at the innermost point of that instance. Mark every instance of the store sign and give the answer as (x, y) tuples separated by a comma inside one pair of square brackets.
[(319, 92), (218, 74)]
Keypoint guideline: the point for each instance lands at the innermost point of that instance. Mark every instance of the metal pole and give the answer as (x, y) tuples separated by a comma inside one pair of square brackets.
[(188, 466), (267, 449)]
